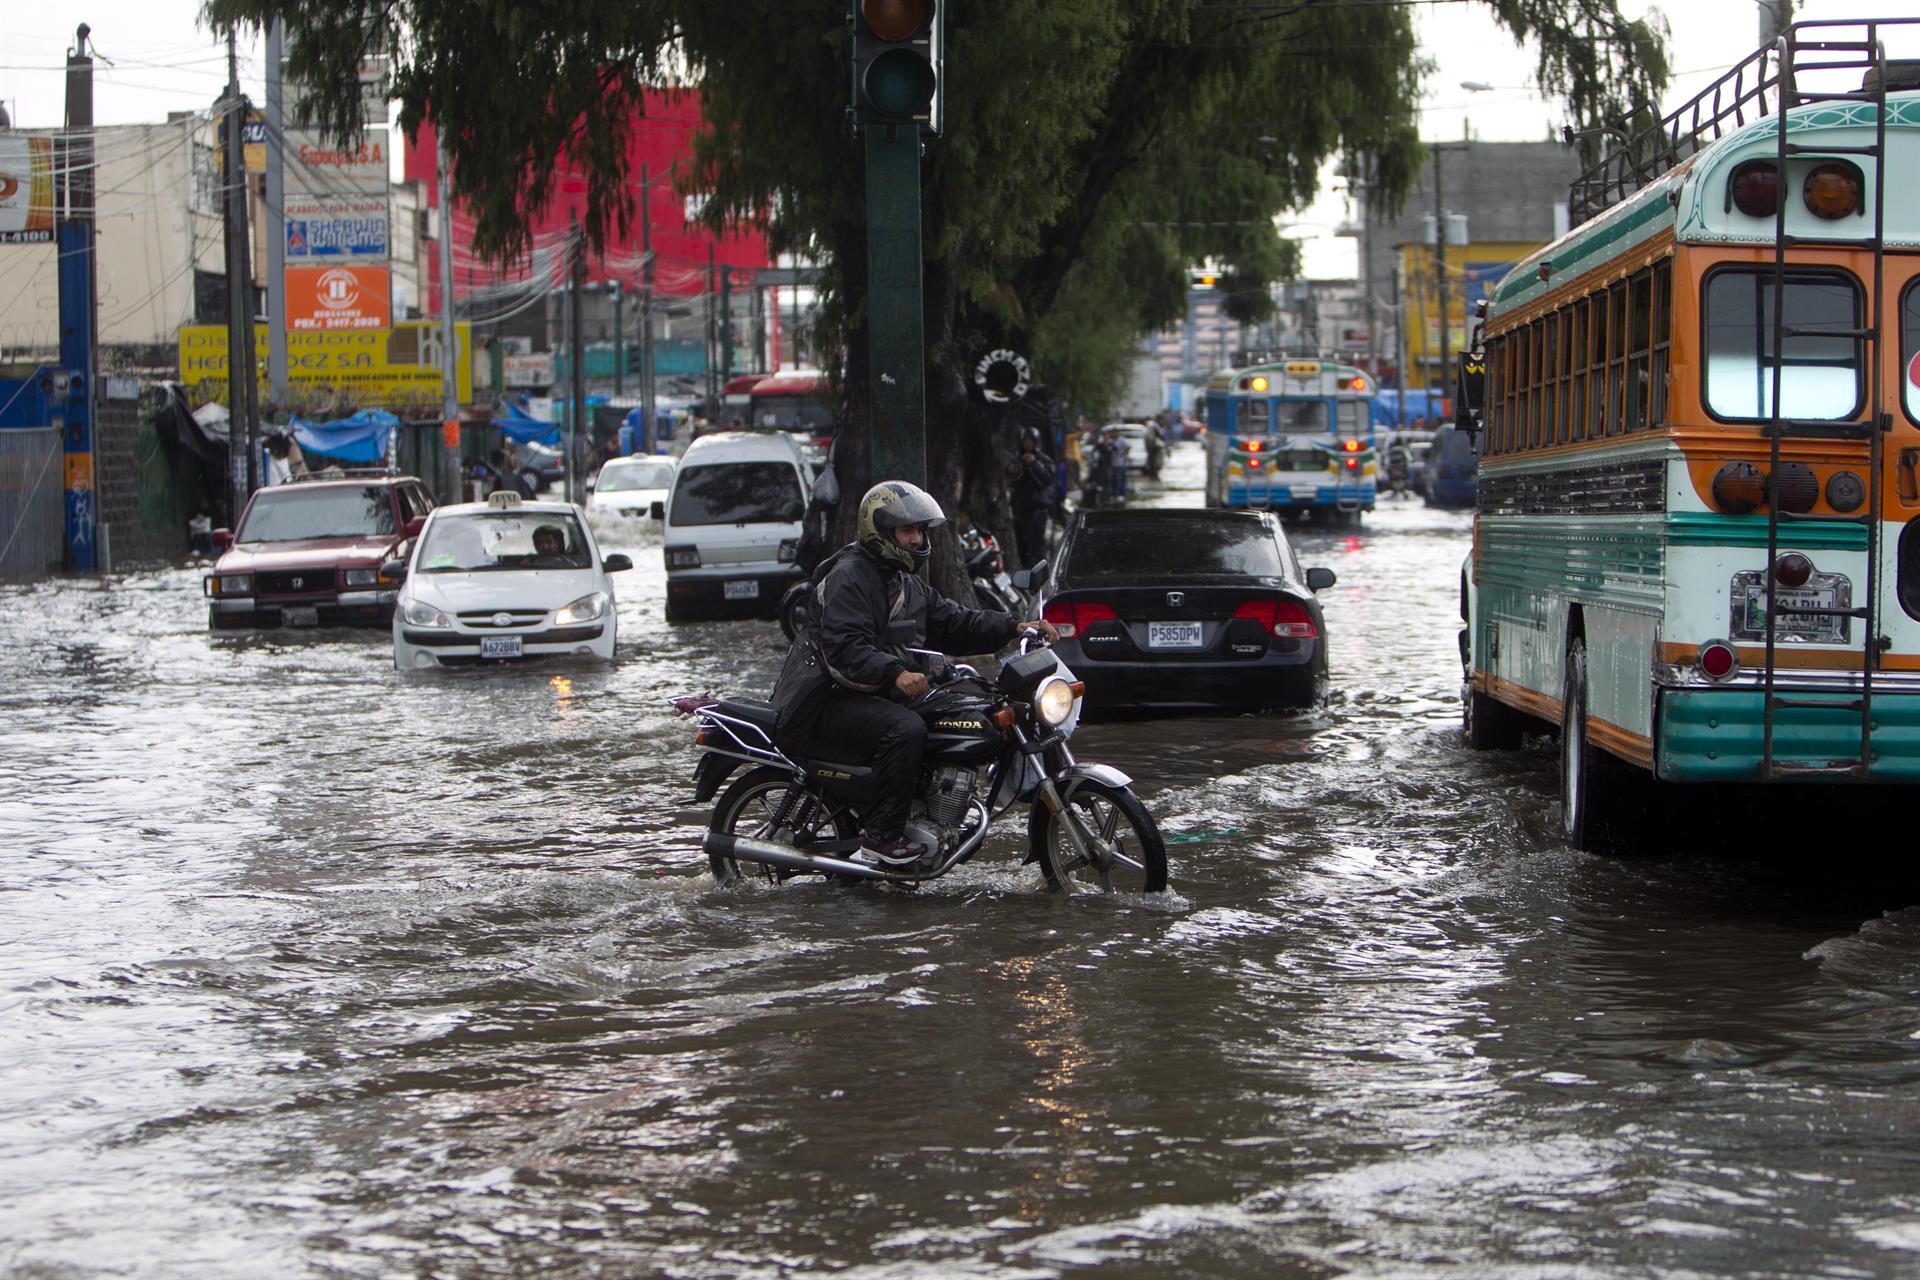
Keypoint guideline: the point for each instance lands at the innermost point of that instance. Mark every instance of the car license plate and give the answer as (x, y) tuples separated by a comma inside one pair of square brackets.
[(1817, 628), (747, 590), (1173, 635), (500, 646), (308, 616)]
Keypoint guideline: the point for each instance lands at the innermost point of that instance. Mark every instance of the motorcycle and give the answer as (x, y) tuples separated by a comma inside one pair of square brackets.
[(990, 746)]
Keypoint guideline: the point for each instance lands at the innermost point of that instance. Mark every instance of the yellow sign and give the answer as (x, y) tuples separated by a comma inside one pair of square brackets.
[(377, 367)]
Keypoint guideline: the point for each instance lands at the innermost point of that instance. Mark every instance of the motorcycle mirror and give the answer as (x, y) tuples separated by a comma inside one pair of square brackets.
[(1032, 579)]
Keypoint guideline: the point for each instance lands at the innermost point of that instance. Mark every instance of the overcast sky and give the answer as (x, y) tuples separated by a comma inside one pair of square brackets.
[(162, 60)]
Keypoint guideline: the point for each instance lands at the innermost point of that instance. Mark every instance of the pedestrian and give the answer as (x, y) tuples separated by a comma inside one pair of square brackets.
[(1030, 477), (1117, 465)]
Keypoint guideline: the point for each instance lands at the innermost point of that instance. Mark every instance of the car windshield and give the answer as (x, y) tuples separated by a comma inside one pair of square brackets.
[(738, 493), (1180, 549), (288, 513), (632, 475), (482, 541)]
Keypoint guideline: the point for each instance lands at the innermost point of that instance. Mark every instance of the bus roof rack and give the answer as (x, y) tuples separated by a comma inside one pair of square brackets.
[(1766, 82)]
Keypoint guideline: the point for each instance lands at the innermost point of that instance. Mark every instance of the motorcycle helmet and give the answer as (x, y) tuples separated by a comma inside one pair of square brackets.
[(890, 505)]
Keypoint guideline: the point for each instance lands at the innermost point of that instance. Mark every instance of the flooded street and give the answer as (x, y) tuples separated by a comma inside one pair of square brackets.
[(314, 969)]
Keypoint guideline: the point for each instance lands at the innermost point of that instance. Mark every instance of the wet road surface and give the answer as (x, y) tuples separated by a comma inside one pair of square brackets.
[(315, 969)]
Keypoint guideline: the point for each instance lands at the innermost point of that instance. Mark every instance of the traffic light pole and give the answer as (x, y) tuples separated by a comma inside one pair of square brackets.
[(896, 346)]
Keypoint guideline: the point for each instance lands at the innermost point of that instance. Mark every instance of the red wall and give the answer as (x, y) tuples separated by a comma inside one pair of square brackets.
[(659, 139)]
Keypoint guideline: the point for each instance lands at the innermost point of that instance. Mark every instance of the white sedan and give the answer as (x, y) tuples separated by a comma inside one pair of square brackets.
[(631, 486), (503, 579)]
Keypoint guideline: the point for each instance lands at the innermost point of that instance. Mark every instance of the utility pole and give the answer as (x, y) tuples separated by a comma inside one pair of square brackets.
[(1439, 276), (449, 332), (646, 311), (896, 327), (713, 394), (276, 217), (576, 358), (619, 341), (241, 377), (79, 312), (726, 325)]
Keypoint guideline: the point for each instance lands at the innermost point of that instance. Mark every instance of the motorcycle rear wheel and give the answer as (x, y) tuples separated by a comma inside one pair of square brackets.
[(749, 807), (1129, 855)]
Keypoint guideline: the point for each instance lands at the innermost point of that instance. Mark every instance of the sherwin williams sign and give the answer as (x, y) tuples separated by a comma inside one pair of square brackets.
[(343, 297), (26, 190), (332, 229)]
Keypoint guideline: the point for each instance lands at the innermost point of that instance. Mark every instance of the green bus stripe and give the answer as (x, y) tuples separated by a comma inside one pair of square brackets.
[(1708, 529)]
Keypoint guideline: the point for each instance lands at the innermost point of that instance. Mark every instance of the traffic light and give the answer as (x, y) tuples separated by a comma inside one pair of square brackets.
[(897, 62)]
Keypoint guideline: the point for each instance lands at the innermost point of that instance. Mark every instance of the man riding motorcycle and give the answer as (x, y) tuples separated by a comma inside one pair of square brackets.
[(851, 671)]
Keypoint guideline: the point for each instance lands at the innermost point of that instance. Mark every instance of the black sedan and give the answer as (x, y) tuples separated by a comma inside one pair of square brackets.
[(1188, 610)]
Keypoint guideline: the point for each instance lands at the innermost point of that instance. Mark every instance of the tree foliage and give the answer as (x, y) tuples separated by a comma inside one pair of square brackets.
[(1095, 149)]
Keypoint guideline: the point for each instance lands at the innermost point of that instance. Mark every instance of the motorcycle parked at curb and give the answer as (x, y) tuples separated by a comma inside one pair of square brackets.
[(990, 746)]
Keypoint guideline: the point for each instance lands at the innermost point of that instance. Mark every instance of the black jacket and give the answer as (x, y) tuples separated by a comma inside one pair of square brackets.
[(851, 646), (1033, 484)]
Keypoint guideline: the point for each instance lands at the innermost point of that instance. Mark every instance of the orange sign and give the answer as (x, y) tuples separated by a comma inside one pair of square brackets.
[(330, 298)]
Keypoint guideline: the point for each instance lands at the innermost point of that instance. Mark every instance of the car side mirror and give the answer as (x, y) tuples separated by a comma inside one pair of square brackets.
[(222, 539), (616, 562), (1032, 579), (415, 525), (1319, 579), (393, 571), (658, 511)]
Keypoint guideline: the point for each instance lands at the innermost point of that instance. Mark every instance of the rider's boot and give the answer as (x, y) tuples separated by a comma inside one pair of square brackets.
[(901, 854)]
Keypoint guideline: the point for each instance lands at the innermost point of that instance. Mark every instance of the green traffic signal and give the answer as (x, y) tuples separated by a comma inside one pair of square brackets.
[(899, 84)]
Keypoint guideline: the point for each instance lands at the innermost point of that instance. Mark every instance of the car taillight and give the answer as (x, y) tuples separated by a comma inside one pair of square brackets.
[(1286, 618), (1071, 617)]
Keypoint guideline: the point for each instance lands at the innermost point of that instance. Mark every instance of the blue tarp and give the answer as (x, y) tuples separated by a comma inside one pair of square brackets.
[(1420, 404), (520, 427), (361, 438)]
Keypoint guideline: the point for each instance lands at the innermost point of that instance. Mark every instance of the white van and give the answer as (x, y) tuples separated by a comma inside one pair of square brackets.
[(732, 526)]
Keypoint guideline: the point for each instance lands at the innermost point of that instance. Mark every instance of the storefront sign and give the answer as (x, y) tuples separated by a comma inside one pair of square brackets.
[(321, 166), (323, 228), (1001, 376), (378, 367), (26, 190), (343, 297)]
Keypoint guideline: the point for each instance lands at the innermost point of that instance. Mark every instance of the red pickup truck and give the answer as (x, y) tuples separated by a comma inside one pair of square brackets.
[(308, 554)]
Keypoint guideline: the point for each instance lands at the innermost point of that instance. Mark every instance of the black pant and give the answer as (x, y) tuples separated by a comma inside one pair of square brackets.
[(1030, 535), (892, 739)]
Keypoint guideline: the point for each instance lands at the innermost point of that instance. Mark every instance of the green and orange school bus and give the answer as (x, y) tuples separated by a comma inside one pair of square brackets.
[(1696, 548)]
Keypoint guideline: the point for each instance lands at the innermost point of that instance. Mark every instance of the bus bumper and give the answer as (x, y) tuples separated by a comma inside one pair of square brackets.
[(1714, 735), (1300, 496)]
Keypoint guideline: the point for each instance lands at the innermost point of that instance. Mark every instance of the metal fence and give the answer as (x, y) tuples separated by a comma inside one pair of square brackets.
[(32, 542)]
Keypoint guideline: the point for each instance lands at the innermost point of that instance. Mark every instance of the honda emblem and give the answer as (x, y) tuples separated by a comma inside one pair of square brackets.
[(296, 584), (1175, 599)]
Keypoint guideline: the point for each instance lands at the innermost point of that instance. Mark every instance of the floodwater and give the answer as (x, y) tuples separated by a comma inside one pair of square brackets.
[(312, 969)]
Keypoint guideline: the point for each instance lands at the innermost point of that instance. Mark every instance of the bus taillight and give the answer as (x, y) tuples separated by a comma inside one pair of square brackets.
[(1718, 660), (1832, 191), (1754, 189)]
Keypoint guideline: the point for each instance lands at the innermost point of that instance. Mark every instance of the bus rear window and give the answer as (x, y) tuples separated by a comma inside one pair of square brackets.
[(1819, 374), (1300, 415)]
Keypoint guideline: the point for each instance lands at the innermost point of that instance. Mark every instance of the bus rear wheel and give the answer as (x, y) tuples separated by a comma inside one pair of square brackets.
[(1600, 796)]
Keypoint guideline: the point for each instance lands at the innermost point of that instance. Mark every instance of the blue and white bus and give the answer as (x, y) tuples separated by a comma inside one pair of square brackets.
[(1293, 436)]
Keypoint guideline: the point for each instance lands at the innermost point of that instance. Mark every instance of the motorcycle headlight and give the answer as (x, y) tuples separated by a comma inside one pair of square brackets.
[(363, 577), (586, 609), (1054, 702), (422, 614)]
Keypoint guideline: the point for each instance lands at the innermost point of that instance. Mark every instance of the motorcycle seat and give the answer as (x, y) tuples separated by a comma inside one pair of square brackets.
[(752, 710)]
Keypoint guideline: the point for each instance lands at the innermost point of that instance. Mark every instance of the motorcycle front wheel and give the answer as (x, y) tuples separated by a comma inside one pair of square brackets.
[(1125, 851), (752, 807)]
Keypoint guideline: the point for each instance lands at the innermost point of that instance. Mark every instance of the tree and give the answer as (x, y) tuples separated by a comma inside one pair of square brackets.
[(1095, 149)]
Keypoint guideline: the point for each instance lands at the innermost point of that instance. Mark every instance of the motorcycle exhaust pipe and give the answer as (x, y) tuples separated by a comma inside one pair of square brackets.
[(715, 844)]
